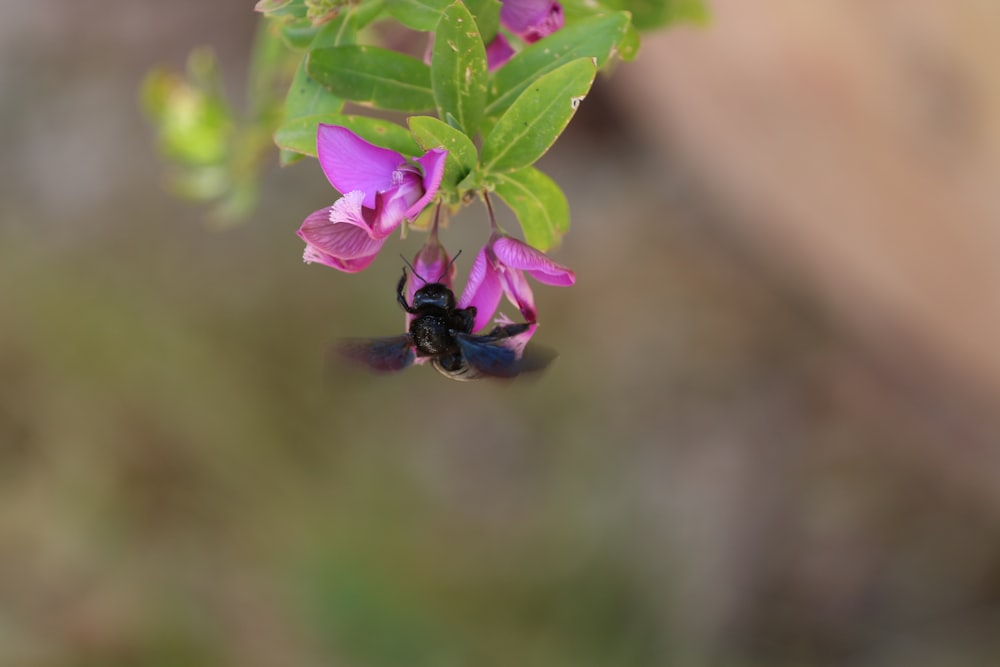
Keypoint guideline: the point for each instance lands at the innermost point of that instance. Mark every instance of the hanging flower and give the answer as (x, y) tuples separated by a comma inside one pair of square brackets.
[(432, 264), (381, 189), (500, 268)]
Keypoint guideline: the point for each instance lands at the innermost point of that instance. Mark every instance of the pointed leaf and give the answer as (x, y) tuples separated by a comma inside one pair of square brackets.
[(432, 133), (458, 72), (649, 14), (595, 37), (420, 15), (287, 158), (628, 47), (299, 135), (536, 119), (372, 75), (538, 203), (487, 15)]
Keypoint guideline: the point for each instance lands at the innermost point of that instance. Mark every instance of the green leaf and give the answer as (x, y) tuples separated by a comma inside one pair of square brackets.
[(649, 14), (487, 15), (299, 33), (299, 135), (537, 117), (596, 37), (307, 97), (458, 69), (432, 133), (420, 15), (278, 8), (372, 75), (287, 158), (628, 48), (341, 30), (538, 203), (364, 13)]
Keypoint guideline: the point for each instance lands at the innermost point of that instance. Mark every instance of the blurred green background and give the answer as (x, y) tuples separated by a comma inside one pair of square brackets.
[(712, 473)]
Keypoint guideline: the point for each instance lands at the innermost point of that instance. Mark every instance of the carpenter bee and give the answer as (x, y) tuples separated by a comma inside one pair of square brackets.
[(442, 333)]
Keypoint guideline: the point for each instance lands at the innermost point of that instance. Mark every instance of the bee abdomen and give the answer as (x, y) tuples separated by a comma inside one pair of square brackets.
[(432, 335)]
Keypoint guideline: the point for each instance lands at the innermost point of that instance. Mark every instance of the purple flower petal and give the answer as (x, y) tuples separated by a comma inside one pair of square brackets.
[(432, 163), (519, 341), (327, 241), (432, 264), (498, 52), (532, 19), (391, 206), (517, 255), (351, 163), (313, 254), (483, 289), (519, 293)]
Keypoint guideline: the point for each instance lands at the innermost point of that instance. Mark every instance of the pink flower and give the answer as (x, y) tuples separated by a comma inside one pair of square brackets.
[(381, 189), (499, 268), (530, 20)]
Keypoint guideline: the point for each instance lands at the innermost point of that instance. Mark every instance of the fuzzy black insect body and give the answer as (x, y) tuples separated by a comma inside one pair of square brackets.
[(442, 333)]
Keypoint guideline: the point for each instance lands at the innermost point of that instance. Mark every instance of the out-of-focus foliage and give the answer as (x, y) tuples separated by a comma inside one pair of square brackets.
[(213, 152)]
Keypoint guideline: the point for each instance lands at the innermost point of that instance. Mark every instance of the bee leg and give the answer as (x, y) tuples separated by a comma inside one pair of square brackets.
[(400, 297)]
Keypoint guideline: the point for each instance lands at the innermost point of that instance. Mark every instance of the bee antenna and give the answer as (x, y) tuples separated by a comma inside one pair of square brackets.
[(448, 268), (407, 262)]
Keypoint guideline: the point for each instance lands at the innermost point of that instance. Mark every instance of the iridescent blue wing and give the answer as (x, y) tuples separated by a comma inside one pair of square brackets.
[(382, 355), (488, 355), (494, 354)]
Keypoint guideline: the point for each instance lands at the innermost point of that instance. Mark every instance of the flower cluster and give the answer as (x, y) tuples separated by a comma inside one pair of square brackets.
[(382, 189)]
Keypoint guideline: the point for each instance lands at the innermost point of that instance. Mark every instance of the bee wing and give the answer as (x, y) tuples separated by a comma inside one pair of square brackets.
[(490, 355), (485, 357), (500, 354), (383, 355)]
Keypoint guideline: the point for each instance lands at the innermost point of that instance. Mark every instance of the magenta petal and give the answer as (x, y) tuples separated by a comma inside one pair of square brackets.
[(351, 163), (433, 264), (483, 290), (498, 52), (335, 239), (390, 209), (518, 255), (532, 19), (519, 341), (519, 293), (313, 254), (432, 163)]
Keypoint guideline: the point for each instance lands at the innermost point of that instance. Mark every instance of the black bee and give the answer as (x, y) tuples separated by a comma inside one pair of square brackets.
[(443, 333)]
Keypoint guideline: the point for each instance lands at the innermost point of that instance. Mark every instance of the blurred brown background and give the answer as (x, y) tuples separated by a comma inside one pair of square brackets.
[(771, 437)]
